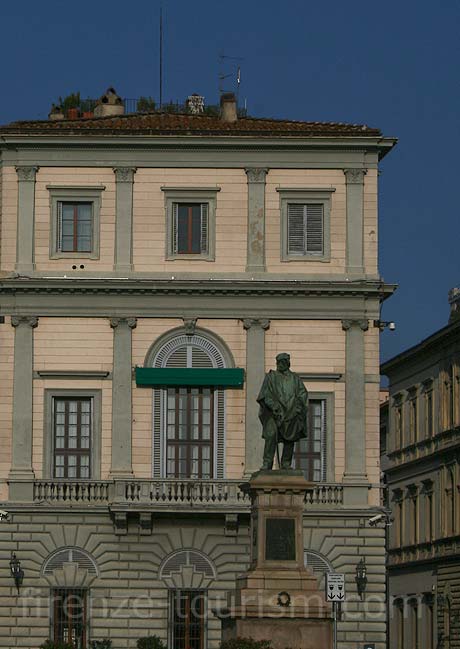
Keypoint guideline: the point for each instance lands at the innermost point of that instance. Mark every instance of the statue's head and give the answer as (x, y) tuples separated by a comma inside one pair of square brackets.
[(283, 362)]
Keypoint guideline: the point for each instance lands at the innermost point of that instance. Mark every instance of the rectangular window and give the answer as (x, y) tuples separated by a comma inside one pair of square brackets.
[(190, 222), (305, 228), (75, 227), (187, 613), (429, 413), (305, 223), (413, 420), (310, 453), (72, 433), (69, 616), (399, 430), (75, 221), (190, 228), (190, 433)]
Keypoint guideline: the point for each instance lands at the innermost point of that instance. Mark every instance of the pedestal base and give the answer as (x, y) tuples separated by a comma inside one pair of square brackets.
[(297, 633)]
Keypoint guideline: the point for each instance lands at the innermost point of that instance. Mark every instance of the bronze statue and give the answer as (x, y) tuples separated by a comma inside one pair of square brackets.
[(283, 401)]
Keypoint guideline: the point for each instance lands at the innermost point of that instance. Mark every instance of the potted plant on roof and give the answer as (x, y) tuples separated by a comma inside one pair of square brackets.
[(71, 105)]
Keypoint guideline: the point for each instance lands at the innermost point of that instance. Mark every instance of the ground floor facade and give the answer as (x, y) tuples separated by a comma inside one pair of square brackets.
[(86, 578)]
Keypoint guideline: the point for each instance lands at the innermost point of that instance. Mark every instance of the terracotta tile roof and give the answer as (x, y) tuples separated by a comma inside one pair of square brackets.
[(181, 124)]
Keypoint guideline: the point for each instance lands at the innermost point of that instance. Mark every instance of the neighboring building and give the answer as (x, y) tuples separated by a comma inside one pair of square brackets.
[(422, 475), (193, 249)]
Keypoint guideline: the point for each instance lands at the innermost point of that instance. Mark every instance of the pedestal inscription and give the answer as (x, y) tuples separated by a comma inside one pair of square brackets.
[(280, 539)]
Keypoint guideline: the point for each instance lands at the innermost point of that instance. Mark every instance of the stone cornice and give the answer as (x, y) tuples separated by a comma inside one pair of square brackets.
[(215, 287)]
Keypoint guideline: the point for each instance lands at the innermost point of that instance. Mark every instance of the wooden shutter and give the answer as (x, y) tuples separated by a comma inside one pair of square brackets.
[(314, 228), (296, 230), (305, 228), (174, 233), (204, 227), (323, 441)]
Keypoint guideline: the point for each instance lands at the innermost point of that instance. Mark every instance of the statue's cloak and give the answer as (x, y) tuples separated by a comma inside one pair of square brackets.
[(286, 394)]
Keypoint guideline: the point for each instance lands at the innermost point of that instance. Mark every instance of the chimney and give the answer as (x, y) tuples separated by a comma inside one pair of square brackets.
[(454, 301), (109, 104), (228, 107), (55, 113)]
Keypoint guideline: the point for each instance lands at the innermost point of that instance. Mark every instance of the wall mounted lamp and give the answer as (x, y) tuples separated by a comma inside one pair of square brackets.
[(383, 324), (16, 571), (361, 577)]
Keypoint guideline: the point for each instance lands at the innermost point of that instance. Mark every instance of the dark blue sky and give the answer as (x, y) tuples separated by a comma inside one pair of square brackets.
[(389, 64)]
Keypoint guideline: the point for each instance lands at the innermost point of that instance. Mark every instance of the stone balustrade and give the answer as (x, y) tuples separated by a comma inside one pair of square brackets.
[(170, 494)]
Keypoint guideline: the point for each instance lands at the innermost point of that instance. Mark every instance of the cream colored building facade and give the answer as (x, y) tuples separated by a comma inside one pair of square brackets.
[(134, 248)]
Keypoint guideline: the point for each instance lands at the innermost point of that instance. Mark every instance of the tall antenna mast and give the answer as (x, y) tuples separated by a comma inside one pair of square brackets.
[(161, 54)]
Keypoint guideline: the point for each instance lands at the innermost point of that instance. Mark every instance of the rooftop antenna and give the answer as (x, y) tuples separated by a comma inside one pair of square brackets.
[(161, 55), (222, 59)]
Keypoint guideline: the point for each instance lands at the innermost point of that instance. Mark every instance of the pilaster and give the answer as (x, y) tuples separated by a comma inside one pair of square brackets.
[(26, 219), (21, 474), (355, 220), (122, 397), (355, 413), (256, 220), (124, 177), (255, 372)]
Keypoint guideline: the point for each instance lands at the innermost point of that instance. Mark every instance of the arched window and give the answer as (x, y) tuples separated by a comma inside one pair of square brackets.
[(189, 421)]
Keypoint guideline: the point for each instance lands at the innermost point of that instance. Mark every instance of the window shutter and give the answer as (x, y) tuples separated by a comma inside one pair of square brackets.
[(175, 229), (323, 441), (59, 227), (314, 228), (204, 227), (296, 237)]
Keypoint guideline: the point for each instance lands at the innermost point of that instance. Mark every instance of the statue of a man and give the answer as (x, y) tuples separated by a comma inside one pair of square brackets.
[(283, 401)]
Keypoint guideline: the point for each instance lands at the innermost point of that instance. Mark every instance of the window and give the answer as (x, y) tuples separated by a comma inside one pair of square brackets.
[(75, 218), (190, 229), (413, 420), (190, 432), (189, 422), (429, 511), (190, 222), (428, 400), (398, 422), (400, 623), (398, 530), (412, 495), (310, 454), (305, 223), (72, 434), (72, 424), (187, 613), (69, 616)]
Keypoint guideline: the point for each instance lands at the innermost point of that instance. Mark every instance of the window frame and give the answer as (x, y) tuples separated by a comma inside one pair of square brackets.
[(48, 438), (173, 595), (328, 468), (302, 196), (78, 194), (65, 592), (190, 195)]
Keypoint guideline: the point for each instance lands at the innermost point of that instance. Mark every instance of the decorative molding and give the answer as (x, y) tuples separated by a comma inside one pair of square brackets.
[(189, 326), (256, 174), (31, 321), (130, 322), (80, 188), (305, 190), (320, 376), (27, 174), (124, 174), (71, 374), (184, 188), (120, 523), (355, 176), (362, 324), (263, 323)]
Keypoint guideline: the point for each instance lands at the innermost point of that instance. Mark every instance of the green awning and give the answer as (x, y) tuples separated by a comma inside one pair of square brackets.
[(161, 377)]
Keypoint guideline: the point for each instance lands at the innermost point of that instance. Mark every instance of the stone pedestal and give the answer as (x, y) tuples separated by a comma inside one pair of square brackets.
[(278, 598)]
